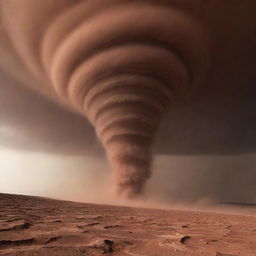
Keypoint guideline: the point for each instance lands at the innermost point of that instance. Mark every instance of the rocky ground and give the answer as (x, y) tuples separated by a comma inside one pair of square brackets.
[(35, 226)]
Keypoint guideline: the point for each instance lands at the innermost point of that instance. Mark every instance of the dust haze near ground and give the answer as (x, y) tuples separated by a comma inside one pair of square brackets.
[(176, 180)]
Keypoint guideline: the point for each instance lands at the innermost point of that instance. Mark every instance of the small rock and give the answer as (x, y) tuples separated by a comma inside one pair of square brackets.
[(184, 239), (109, 244), (106, 246)]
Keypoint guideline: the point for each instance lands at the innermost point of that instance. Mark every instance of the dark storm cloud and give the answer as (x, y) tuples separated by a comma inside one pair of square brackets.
[(212, 126), (46, 127)]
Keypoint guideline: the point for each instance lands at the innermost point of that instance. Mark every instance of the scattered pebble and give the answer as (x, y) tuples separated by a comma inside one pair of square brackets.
[(184, 239)]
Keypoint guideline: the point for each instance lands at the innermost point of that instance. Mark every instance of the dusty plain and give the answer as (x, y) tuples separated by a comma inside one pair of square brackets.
[(34, 226)]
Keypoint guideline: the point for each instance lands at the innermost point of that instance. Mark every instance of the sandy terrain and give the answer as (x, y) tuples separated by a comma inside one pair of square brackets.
[(37, 226)]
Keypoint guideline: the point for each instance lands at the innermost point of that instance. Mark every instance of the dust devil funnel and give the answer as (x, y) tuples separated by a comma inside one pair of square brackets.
[(122, 64), (122, 68)]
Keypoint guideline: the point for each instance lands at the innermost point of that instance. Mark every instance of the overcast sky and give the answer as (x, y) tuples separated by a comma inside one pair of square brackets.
[(46, 150)]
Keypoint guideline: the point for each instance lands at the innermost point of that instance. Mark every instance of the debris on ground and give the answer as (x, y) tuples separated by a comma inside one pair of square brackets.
[(184, 239)]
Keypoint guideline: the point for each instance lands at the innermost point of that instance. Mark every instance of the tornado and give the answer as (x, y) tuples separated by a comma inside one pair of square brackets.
[(122, 64)]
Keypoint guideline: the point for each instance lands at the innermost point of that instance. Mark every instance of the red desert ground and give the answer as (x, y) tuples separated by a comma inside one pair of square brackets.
[(35, 226)]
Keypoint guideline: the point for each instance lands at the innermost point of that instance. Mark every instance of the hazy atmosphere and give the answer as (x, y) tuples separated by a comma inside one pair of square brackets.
[(40, 154), (127, 127), (204, 179)]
